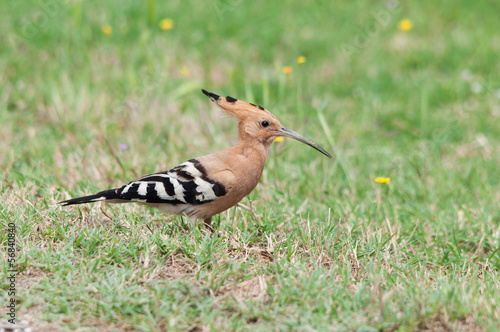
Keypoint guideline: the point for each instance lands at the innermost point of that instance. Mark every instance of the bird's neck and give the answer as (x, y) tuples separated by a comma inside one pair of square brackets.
[(252, 150), (251, 147)]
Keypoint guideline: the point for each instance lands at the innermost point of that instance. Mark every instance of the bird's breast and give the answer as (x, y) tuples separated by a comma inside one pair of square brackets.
[(239, 175)]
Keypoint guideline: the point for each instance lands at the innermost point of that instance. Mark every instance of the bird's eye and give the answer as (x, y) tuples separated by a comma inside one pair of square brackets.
[(264, 123)]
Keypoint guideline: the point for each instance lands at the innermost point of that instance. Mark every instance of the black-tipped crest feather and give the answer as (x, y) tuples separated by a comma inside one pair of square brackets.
[(210, 95)]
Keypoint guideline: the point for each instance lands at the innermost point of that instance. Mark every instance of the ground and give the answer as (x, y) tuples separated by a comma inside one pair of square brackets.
[(96, 94)]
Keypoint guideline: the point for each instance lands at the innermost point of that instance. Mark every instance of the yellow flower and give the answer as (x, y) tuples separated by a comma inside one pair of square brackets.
[(107, 29), (279, 139), (383, 180), (405, 25), (166, 24), (287, 70), (301, 60), (185, 71)]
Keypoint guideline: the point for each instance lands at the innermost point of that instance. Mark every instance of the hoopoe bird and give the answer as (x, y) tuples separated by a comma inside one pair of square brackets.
[(205, 186)]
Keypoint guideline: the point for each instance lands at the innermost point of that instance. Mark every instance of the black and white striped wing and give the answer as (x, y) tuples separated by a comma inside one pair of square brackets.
[(187, 183)]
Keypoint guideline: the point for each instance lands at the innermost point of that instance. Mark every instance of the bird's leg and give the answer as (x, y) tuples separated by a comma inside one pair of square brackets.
[(208, 224)]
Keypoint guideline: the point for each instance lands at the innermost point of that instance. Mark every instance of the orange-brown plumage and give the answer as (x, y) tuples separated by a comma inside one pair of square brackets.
[(208, 185)]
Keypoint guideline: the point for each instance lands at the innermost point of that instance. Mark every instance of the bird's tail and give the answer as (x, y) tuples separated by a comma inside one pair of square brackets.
[(100, 196)]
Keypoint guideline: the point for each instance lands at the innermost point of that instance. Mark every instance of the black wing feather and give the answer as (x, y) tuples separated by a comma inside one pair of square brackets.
[(187, 183)]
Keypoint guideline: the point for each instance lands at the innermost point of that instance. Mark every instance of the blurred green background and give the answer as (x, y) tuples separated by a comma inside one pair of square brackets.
[(94, 94)]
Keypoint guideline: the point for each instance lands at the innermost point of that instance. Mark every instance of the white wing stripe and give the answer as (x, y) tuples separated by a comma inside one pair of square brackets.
[(191, 169), (205, 188), (125, 190), (143, 189), (179, 191)]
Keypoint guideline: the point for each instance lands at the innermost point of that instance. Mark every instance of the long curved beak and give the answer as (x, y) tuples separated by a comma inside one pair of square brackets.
[(290, 133)]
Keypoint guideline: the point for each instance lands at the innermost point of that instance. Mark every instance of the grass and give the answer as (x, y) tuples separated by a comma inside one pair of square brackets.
[(322, 245)]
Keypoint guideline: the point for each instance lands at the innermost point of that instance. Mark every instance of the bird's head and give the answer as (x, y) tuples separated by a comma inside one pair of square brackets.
[(256, 123)]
